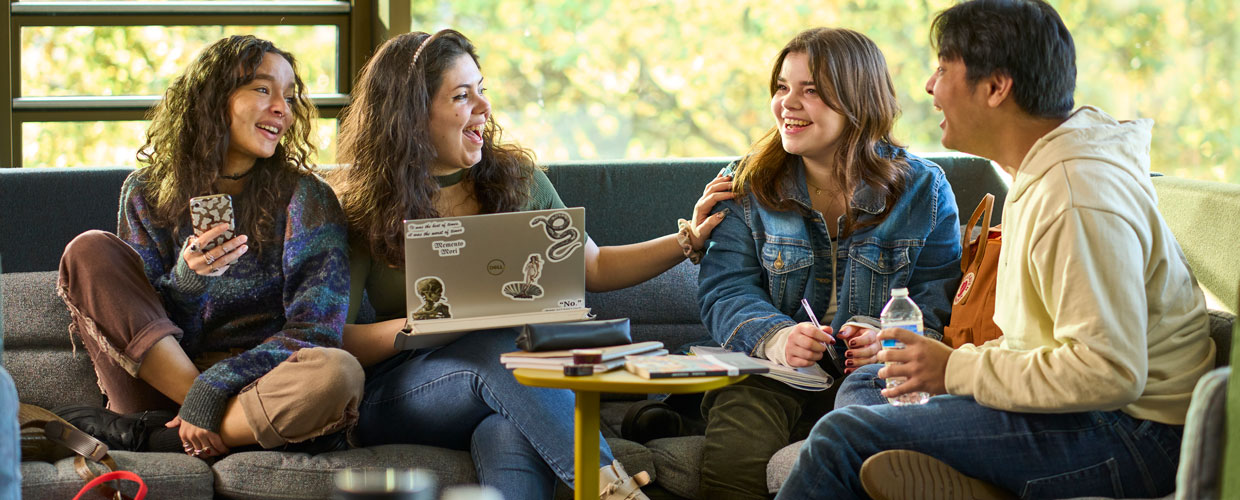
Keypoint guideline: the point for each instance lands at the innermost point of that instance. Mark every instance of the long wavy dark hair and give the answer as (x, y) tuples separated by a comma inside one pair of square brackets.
[(187, 142), (851, 76), (386, 150)]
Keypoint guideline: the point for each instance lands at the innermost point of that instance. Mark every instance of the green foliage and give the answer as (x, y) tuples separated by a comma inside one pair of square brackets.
[(657, 79)]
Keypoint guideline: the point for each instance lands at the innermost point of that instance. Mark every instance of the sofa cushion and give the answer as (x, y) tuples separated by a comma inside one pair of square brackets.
[(633, 201), (281, 475), (36, 328), (44, 208), (780, 466), (678, 460), (664, 308), (167, 475)]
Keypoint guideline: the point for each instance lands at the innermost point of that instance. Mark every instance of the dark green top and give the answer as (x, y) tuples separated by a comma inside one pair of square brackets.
[(385, 286)]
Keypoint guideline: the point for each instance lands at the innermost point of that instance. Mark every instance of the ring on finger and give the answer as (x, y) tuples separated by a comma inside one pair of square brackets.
[(210, 259)]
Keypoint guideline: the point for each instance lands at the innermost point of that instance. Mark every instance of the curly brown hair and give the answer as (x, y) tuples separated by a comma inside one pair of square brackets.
[(851, 76), (187, 142), (386, 152)]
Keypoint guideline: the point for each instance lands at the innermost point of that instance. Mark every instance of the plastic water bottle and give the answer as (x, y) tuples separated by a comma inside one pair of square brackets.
[(901, 312)]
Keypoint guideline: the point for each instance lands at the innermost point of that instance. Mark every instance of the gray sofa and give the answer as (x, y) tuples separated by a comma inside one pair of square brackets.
[(42, 209)]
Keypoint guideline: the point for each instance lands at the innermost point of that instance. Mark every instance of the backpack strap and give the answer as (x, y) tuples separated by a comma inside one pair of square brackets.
[(981, 213), (85, 446)]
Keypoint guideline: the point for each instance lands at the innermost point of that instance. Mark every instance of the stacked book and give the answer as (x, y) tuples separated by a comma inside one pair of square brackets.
[(809, 378), (581, 361), (692, 366)]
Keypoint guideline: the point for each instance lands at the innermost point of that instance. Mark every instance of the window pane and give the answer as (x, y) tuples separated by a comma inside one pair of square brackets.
[(657, 79), (116, 143), (143, 60)]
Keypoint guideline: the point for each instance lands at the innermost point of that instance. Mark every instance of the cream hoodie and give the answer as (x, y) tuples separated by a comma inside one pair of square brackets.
[(1097, 304)]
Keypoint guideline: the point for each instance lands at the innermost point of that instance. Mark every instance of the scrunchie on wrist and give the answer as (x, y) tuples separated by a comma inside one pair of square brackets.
[(683, 236)]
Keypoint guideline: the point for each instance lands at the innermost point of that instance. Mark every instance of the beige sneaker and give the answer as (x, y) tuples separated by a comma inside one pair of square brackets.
[(901, 474), (616, 484)]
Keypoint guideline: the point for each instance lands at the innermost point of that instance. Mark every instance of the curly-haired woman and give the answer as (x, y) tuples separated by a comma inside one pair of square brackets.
[(236, 337), (421, 143)]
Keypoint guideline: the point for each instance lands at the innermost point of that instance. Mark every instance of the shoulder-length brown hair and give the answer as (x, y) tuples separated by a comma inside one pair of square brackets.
[(386, 150), (187, 142), (851, 76)]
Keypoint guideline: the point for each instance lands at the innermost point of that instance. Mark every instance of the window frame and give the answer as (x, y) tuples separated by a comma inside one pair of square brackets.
[(360, 29)]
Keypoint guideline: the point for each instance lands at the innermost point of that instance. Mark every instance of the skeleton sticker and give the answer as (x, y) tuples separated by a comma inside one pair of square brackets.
[(434, 303), (564, 237), (527, 289)]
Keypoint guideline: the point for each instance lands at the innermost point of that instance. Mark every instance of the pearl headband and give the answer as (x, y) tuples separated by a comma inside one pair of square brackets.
[(426, 42)]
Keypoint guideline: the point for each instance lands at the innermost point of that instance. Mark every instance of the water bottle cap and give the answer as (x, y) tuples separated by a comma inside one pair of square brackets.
[(899, 292)]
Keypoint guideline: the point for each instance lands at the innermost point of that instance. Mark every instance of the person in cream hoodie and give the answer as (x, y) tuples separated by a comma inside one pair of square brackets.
[(1105, 328)]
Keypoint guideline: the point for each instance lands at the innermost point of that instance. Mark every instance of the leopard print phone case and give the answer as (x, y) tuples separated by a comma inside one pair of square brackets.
[(206, 212)]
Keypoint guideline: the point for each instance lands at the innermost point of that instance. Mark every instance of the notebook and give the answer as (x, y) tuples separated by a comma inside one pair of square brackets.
[(492, 271)]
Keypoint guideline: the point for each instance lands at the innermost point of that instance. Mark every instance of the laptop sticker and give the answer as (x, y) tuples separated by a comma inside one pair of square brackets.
[(559, 228), (434, 303), (433, 229), (448, 248), (527, 289)]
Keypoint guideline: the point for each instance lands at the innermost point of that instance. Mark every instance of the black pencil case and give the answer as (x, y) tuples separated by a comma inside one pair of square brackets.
[(574, 335)]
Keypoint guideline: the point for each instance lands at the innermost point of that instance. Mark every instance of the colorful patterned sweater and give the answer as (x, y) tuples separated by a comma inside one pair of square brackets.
[(265, 307)]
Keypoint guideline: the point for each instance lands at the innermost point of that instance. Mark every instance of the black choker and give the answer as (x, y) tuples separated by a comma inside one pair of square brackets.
[(237, 177), (451, 179)]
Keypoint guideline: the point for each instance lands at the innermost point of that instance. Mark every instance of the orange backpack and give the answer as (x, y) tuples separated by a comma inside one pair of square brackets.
[(973, 309)]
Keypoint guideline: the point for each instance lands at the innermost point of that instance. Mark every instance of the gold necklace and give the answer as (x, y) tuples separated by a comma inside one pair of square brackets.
[(817, 190)]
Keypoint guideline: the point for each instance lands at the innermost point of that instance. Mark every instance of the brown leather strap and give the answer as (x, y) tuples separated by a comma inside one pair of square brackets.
[(982, 212), (80, 442), (87, 474), (58, 431)]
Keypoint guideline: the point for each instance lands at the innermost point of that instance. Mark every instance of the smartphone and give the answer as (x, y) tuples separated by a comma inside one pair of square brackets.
[(206, 212)]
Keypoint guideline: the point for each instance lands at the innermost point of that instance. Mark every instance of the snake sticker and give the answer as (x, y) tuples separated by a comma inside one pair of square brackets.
[(565, 238)]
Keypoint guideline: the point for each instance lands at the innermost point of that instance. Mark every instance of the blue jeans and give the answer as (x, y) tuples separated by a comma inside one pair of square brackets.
[(10, 446), (862, 387), (1098, 453), (459, 396)]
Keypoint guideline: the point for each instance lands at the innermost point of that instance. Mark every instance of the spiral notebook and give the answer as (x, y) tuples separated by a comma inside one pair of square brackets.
[(490, 271)]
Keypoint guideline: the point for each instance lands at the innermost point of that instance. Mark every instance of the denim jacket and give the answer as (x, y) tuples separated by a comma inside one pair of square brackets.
[(760, 262)]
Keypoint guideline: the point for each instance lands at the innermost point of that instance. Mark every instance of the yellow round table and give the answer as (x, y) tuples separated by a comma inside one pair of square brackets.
[(587, 389)]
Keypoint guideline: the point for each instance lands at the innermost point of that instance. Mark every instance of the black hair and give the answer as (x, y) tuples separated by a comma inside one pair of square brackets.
[(1023, 39)]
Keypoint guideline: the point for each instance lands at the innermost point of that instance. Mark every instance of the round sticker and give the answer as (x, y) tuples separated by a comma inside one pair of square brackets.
[(965, 285)]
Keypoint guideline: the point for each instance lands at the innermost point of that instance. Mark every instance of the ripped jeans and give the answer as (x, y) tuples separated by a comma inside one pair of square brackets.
[(119, 316)]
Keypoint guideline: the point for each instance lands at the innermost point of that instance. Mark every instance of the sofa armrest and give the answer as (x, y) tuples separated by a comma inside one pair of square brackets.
[(1201, 453)]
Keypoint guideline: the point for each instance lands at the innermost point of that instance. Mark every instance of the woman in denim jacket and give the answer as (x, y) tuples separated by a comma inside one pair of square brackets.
[(829, 210)]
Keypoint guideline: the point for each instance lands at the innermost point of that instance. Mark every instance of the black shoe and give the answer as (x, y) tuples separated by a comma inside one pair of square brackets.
[(651, 419), (336, 441), (120, 432)]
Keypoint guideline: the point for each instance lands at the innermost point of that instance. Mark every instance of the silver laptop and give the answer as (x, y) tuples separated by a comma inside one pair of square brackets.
[(490, 271)]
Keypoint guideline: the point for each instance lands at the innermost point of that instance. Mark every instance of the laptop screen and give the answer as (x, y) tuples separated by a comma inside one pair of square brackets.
[(495, 264)]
